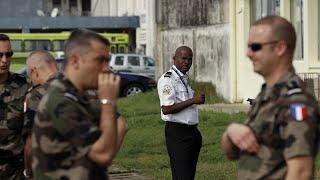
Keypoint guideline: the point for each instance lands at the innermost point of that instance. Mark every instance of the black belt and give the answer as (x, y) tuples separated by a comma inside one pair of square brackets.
[(180, 125)]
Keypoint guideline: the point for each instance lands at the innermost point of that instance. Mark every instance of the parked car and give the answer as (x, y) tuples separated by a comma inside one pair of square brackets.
[(131, 84), (135, 63)]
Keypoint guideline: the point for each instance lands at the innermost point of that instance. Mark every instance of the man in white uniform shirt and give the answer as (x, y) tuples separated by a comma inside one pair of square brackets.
[(178, 109)]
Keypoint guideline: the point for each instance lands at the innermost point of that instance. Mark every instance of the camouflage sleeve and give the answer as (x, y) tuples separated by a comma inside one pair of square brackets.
[(300, 130), (76, 126), (31, 104)]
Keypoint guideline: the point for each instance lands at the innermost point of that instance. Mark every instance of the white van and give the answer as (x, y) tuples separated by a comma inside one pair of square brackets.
[(135, 63)]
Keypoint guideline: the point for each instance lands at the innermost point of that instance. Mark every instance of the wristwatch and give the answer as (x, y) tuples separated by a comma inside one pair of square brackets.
[(107, 101), (27, 175)]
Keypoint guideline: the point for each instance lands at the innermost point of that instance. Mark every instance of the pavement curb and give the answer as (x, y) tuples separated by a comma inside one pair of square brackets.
[(225, 108)]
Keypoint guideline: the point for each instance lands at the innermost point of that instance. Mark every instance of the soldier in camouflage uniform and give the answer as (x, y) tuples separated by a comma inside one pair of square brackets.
[(41, 70), (13, 88), (69, 140), (279, 140)]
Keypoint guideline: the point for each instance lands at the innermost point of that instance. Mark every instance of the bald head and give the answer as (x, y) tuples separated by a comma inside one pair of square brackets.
[(40, 66)]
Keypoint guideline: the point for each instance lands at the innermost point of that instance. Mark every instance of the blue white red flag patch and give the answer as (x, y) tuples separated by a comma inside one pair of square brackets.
[(298, 112)]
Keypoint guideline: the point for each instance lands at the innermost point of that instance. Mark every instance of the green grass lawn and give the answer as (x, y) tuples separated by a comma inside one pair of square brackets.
[(144, 149), (17, 65)]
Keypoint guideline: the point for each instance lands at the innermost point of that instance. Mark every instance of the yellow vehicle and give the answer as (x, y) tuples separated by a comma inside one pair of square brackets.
[(24, 43)]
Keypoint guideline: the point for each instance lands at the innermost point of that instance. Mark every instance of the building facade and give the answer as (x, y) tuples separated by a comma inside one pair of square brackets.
[(145, 9), (217, 30)]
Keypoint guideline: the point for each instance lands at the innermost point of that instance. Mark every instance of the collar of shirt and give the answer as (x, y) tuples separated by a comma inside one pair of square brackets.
[(271, 92), (184, 76)]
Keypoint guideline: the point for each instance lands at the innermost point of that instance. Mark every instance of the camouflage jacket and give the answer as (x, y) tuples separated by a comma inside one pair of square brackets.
[(64, 130), (12, 94), (32, 100), (285, 121)]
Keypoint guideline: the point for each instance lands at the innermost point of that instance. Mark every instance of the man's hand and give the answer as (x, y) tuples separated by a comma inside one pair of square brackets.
[(200, 99), (243, 137), (108, 86)]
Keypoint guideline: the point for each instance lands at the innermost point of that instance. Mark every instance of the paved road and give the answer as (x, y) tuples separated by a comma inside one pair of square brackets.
[(116, 173)]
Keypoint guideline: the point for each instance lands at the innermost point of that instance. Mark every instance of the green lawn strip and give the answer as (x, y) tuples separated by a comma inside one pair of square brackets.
[(144, 149), (15, 66)]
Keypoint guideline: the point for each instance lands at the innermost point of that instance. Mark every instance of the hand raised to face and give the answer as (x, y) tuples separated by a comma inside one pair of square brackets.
[(108, 86)]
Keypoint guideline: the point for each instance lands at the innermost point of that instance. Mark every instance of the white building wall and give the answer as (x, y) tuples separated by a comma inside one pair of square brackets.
[(145, 9), (211, 54)]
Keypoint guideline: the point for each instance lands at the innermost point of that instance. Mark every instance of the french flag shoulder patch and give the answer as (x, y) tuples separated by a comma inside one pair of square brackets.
[(298, 112)]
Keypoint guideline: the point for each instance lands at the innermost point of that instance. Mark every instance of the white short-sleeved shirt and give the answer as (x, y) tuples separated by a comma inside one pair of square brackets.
[(171, 90)]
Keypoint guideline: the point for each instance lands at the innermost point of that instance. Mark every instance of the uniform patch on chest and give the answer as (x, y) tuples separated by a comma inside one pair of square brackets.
[(298, 112)]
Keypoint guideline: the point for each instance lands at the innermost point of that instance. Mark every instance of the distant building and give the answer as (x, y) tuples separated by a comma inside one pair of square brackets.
[(63, 15), (217, 31), (145, 9)]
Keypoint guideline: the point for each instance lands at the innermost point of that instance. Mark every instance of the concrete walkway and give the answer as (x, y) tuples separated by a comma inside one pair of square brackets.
[(116, 173), (226, 108)]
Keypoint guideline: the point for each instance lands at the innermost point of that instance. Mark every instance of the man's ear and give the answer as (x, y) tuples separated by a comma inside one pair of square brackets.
[(281, 48), (74, 60)]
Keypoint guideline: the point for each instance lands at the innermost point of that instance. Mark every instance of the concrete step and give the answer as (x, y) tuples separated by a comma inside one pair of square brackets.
[(226, 108)]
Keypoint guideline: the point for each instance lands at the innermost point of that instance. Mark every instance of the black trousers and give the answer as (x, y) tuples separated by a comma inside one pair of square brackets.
[(183, 144)]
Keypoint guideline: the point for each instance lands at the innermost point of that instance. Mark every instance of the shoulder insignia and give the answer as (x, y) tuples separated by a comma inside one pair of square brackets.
[(166, 90), (298, 112), (71, 96), (168, 74), (294, 91), (18, 77), (25, 105), (33, 87)]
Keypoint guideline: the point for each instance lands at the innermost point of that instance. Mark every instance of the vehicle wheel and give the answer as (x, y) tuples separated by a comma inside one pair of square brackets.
[(133, 89)]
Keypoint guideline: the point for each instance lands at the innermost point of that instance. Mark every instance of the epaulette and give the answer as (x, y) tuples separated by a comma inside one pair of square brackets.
[(293, 88), (294, 91), (32, 87), (168, 74), (18, 77), (71, 96)]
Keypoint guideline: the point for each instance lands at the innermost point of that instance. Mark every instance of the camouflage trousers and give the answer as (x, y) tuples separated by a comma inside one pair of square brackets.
[(8, 172)]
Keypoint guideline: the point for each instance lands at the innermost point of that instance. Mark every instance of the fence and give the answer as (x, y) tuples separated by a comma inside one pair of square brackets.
[(312, 81)]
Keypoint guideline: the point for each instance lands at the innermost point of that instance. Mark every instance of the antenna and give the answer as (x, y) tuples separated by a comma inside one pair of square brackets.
[(54, 12), (40, 12)]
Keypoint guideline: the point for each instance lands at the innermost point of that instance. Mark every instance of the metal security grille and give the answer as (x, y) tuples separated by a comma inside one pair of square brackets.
[(312, 81)]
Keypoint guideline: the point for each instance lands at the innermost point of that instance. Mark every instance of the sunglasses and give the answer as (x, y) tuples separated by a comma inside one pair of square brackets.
[(7, 54), (258, 46)]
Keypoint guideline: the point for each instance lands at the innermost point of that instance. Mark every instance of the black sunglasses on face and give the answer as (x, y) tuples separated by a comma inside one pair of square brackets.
[(7, 54), (258, 46)]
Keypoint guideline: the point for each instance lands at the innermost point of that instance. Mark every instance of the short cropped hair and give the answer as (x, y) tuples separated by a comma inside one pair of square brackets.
[(182, 48), (282, 29), (4, 37), (40, 59), (79, 40)]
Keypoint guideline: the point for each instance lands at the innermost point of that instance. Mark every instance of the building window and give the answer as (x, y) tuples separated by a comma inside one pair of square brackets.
[(56, 3), (73, 3), (262, 8), (86, 7), (296, 17)]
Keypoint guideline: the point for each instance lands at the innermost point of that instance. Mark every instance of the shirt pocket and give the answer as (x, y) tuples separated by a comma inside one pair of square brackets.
[(182, 93)]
